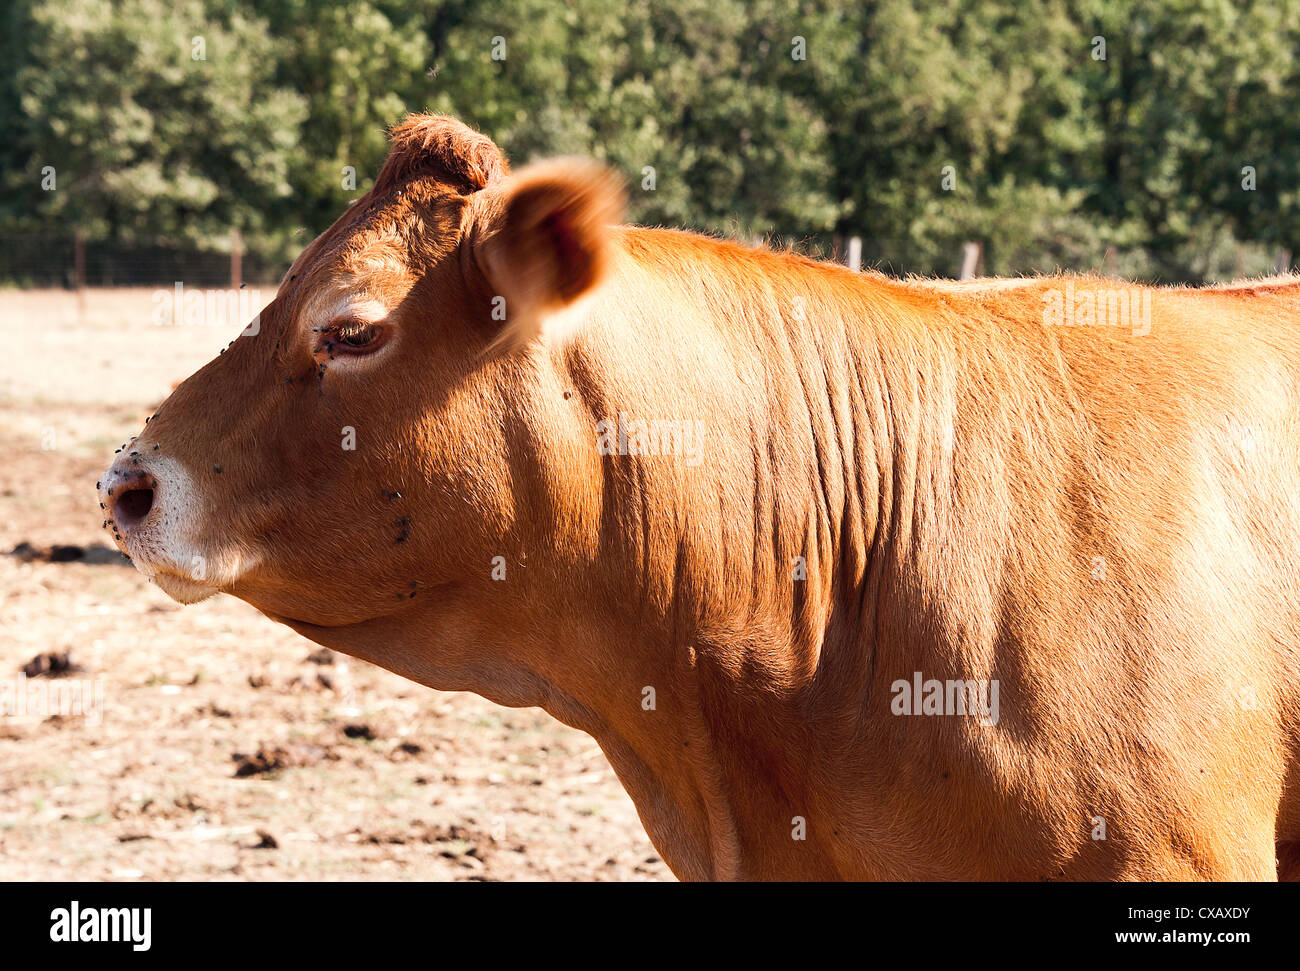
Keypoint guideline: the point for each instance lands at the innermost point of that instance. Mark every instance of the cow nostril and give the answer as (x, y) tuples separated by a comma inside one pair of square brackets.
[(131, 507)]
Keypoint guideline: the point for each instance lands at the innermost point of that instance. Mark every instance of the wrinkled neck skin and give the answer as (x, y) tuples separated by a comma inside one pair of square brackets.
[(752, 579), (716, 641)]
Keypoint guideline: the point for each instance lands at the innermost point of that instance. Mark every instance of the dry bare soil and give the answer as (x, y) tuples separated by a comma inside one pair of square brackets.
[(227, 747)]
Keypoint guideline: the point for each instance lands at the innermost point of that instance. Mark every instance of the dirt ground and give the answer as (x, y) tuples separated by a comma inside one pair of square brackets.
[(226, 747)]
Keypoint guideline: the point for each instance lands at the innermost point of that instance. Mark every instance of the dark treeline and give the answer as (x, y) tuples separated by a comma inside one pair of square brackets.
[(1055, 131)]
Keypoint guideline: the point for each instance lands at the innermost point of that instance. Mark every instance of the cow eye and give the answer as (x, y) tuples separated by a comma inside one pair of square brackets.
[(352, 337)]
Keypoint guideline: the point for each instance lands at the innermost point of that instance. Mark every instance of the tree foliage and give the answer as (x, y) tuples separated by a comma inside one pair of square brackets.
[(1055, 131)]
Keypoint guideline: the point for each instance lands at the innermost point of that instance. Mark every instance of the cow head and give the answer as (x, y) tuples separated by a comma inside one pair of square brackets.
[(390, 441)]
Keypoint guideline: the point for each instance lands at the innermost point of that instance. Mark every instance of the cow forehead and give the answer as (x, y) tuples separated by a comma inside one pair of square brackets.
[(372, 262), (364, 288)]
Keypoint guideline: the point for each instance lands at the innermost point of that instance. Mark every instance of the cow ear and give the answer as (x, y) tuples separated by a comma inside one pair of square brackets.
[(546, 242)]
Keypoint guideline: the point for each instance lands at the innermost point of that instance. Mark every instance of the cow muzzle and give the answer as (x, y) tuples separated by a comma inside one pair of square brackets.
[(155, 515)]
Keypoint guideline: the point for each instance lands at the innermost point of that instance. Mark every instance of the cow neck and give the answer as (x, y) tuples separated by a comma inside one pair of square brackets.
[(763, 663)]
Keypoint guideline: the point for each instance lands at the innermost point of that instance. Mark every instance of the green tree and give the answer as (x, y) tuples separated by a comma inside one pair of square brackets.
[(159, 118), (359, 67), (692, 90)]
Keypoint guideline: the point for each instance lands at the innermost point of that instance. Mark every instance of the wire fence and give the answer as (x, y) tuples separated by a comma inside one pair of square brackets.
[(71, 260)]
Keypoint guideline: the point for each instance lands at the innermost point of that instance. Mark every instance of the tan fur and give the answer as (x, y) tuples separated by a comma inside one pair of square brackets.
[(1103, 522)]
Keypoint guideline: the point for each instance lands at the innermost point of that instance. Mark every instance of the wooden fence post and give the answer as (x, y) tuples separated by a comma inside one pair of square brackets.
[(972, 260), (79, 259), (855, 253), (79, 271), (236, 259)]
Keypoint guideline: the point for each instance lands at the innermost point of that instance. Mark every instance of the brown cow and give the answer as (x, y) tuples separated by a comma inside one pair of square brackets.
[(849, 577)]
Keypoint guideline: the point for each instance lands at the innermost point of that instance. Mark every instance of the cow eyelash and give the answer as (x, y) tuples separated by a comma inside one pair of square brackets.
[(352, 336)]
